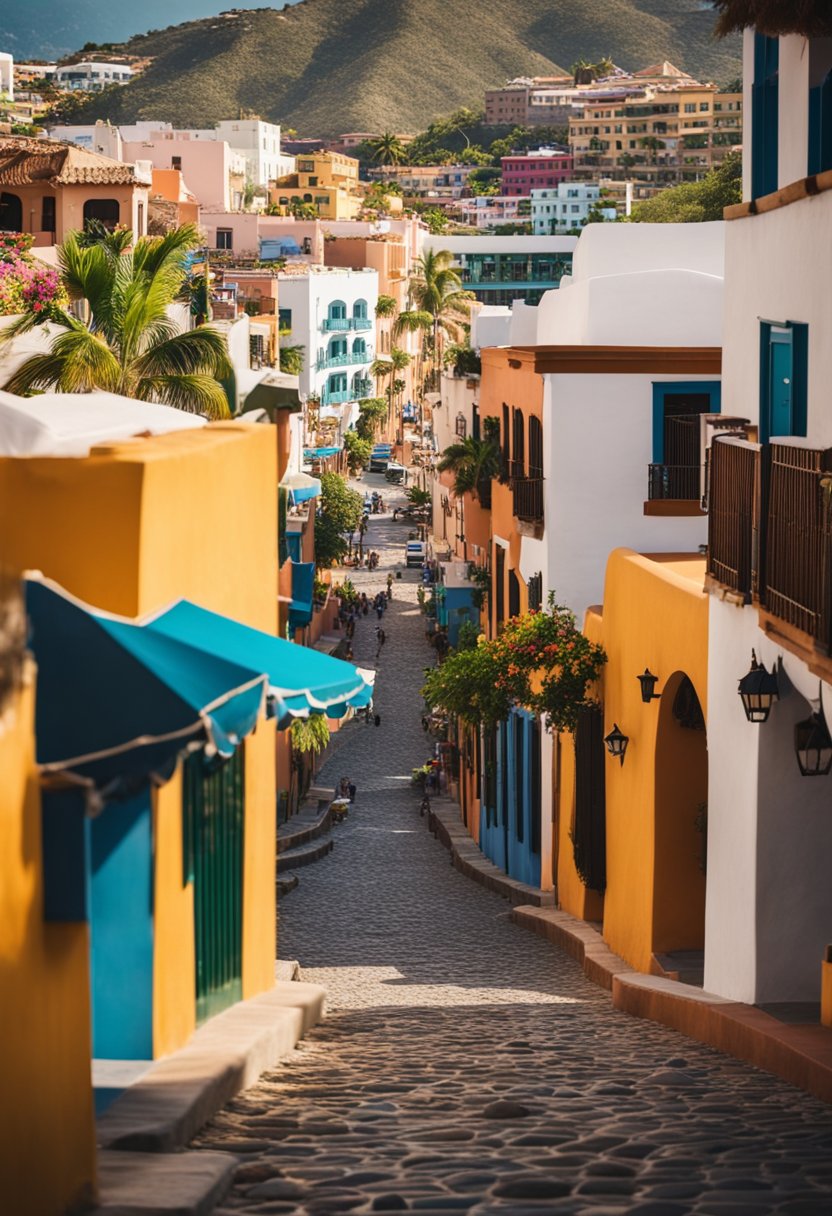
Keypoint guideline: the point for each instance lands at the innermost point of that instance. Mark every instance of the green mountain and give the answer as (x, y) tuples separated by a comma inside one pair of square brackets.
[(329, 66)]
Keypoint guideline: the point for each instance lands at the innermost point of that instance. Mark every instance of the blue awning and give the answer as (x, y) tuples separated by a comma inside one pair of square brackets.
[(116, 699), (300, 609), (319, 453), (120, 699)]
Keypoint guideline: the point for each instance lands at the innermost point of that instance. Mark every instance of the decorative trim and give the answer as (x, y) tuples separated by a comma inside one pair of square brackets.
[(609, 360), (806, 187)]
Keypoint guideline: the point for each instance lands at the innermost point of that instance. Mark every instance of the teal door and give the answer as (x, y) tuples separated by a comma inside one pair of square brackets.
[(213, 817), (781, 383)]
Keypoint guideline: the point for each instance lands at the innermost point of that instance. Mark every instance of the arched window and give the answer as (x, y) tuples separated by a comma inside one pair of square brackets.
[(518, 445), (535, 448), (307, 198), (105, 210), (337, 350), (359, 349), (337, 311), (359, 309), (11, 213)]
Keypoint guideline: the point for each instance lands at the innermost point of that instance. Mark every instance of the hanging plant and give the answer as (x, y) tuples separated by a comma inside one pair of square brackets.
[(309, 734)]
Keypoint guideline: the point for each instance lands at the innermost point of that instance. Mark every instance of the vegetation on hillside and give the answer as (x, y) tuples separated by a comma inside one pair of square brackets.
[(328, 66), (695, 202)]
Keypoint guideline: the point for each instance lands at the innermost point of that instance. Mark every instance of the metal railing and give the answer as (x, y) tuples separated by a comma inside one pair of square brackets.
[(335, 323), (798, 539), (528, 498), (733, 478), (348, 359), (673, 481), (361, 323), (336, 398)]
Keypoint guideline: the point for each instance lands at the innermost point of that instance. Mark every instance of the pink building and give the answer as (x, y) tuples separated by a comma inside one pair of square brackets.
[(538, 170)]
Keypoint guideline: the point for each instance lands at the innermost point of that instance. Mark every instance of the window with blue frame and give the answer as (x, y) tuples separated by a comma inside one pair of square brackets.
[(765, 115), (677, 459), (337, 310), (784, 366)]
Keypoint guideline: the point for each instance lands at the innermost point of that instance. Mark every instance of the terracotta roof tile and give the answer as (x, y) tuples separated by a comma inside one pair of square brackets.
[(26, 162)]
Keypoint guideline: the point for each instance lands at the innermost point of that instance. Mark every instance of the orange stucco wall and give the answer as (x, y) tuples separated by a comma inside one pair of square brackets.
[(45, 1005)]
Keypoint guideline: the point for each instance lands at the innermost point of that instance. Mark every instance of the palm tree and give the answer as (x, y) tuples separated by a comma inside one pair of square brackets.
[(388, 149), (385, 306), (436, 293), (473, 463), (292, 359), (128, 343)]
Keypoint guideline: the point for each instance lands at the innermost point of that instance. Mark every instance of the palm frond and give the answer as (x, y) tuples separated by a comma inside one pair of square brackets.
[(88, 273), (151, 254), (200, 352), (78, 362), (195, 394), (412, 321)]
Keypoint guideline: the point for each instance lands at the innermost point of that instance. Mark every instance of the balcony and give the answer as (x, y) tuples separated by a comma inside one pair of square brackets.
[(335, 324), (362, 388), (348, 359), (770, 534), (673, 483), (361, 323), (527, 496), (336, 398)]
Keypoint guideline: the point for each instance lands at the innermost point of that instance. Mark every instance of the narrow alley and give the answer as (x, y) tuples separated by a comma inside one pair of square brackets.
[(467, 1066)]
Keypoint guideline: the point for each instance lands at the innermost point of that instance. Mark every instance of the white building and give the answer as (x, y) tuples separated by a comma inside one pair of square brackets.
[(769, 894), (567, 206), (484, 211), (259, 142), (7, 76), (101, 137), (330, 312), (501, 269), (90, 76), (212, 170)]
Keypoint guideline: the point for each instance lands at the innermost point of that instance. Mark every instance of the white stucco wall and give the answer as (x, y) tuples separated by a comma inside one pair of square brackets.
[(625, 248), (777, 269), (490, 325), (793, 128), (598, 433), (769, 896)]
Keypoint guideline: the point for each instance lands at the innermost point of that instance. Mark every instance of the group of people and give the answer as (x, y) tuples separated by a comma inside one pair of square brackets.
[(347, 789), (374, 504)]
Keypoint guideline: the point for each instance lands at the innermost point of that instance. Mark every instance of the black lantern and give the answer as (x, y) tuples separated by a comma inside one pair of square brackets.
[(616, 742), (813, 745), (758, 690), (648, 686)]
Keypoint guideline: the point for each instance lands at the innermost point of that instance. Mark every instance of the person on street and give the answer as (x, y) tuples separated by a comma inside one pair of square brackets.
[(389, 586), (351, 790)]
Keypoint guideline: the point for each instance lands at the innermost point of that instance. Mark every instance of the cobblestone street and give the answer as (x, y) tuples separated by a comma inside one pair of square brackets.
[(466, 1065)]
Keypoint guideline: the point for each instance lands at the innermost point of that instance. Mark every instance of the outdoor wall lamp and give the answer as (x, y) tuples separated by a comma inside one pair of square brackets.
[(813, 745), (648, 686), (616, 742), (758, 690)]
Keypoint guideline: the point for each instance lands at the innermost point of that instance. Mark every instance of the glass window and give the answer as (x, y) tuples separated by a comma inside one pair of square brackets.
[(225, 238)]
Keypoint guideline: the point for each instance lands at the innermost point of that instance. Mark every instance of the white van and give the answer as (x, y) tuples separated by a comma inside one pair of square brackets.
[(415, 553)]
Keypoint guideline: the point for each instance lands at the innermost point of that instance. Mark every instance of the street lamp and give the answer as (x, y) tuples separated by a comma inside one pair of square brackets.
[(616, 742), (648, 685), (758, 690), (813, 745)]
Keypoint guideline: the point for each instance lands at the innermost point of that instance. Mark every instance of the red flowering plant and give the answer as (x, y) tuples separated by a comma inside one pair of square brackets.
[(540, 661), (26, 285)]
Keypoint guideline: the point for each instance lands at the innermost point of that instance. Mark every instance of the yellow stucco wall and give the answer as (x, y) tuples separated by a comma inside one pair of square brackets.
[(132, 528), (44, 1008), (655, 615)]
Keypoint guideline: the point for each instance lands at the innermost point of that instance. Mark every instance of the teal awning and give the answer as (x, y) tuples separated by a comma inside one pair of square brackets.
[(118, 699), (303, 579), (319, 453)]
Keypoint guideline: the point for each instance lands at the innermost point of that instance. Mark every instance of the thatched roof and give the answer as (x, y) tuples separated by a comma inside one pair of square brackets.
[(25, 162), (812, 18)]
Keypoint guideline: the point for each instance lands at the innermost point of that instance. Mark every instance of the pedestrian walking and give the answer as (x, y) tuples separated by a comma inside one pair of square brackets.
[(379, 611), (377, 719), (343, 788), (351, 790), (389, 586), (381, 635)]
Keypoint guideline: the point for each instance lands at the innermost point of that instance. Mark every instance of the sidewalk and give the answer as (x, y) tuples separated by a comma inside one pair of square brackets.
[(801, 1055)]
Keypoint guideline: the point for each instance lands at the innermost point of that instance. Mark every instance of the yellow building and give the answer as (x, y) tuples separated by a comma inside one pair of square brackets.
[(130, 529), (631, 836), (668, 136), (327, 181)]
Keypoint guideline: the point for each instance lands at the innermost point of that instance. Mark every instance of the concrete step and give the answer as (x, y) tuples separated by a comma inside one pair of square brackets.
[(304, 827), (293, 859), (286, 884), (162, 1184)]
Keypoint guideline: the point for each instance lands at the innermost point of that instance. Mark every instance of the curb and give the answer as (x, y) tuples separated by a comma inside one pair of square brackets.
[(800, 1055), (309, 831), (305, 855), (469, 860), (181, 1092)]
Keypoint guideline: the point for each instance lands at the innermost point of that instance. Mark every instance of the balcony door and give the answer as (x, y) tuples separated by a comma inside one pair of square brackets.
[(783, 352)]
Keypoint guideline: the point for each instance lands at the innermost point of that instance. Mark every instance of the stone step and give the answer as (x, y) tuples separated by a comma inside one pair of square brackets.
[(286, 884), (292, 859), (305, 826), (162, 1184)]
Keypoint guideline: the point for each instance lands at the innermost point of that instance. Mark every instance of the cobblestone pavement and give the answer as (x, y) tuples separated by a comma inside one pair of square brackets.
[(466, 1066)]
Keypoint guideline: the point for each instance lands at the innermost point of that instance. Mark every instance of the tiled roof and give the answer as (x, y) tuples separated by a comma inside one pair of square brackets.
[(27, 162)]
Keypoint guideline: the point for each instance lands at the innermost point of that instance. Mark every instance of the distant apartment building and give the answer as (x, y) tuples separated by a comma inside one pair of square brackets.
[(328, 181), (488, 210), (426, 181), (566, 207), (28, 74), (670, 135), (502, 269), (330, 312), (90, 76), (541, 169), (259, 143), (214, 172)]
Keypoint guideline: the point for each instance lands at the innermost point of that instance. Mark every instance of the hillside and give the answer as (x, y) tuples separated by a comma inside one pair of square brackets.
[(327, 66)]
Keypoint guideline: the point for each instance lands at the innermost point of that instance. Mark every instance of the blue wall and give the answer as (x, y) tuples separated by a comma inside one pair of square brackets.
[(121, 930), (507, 838)]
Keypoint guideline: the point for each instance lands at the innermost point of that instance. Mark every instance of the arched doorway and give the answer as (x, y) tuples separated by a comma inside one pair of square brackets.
[(681, 808), (11, 213)]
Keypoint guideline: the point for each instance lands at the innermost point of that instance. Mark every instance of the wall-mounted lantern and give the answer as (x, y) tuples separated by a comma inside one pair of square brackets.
[(616, 742), (758, 690), (648, 686), (813, 745)]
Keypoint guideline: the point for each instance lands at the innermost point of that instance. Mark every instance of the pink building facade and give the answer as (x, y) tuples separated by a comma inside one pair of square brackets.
[(540, 170)]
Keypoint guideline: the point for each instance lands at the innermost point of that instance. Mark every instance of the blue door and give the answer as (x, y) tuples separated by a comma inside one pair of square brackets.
[(780, 383)]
